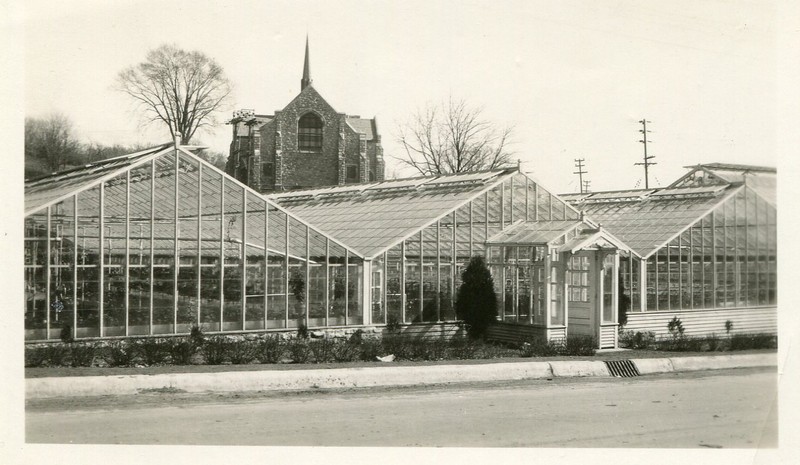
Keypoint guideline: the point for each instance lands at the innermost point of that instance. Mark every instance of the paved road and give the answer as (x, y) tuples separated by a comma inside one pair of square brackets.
[(730, 408)]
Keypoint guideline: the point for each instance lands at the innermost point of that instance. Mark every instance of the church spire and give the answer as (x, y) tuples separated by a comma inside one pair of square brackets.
[(306, 81)]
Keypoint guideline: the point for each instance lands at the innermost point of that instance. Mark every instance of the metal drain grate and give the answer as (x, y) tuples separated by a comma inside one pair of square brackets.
[(622, 368)]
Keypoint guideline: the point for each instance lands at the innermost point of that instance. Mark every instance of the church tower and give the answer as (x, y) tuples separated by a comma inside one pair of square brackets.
[(306, 80), (305, 145)]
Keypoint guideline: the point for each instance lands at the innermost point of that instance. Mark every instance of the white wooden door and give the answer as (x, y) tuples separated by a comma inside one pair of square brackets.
[(582, 294)]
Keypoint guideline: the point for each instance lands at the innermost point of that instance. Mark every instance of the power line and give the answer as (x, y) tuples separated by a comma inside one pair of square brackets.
[(580, 172), (586, 186), (647, 159)]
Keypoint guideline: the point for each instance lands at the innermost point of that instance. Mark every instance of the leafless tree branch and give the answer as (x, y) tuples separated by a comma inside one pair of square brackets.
[(181, 89), (452, 137)]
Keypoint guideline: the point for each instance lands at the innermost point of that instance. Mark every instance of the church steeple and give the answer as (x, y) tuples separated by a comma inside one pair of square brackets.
[(306, 81)]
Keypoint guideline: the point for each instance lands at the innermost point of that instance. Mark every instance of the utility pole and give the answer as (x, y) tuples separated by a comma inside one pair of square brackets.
[(586, 186), (647, 161), (580, 172)]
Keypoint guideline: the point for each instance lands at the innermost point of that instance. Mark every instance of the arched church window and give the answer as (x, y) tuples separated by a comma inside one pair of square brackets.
[(309, 132)]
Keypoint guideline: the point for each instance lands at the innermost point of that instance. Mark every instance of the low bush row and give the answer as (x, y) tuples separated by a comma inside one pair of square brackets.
[(218, 349), (679, 342), (573, 345)]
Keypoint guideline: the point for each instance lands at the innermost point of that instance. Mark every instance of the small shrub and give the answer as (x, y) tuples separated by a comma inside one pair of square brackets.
[(35, 357), (270, 349), (675, 327), (490, 351), (370, 349), (539, 348), (302, 330), (401, 346), (753, 341), (713, 343), (299, 350), (579, 345), (197, 337), (66, 333), (57, 354), (728, 326), (181, 351), (82, 355), (392, 323), (242, 352), (120, 354), (347, 351), (356, 337), (640, 340), (463, 349), (422, 349), (322, 350), (215, 350), (153, 351)]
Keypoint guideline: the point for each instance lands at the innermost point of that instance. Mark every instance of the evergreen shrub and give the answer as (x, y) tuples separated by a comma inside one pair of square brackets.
[(476, 303)]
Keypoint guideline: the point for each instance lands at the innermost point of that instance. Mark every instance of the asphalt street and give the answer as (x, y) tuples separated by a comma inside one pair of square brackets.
[(714, 409)]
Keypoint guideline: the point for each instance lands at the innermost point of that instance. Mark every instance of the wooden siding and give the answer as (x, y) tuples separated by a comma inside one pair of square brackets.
[(557, 334), (705, 322), (608, 336), (514, 333)]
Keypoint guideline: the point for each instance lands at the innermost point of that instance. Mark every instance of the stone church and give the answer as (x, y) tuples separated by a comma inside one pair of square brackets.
[(307, 144)]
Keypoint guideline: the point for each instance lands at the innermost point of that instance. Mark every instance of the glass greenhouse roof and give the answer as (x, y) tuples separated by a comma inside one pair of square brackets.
[(54, 189), (646, 222), (371, 217), (761, 178), (535, 232), (39, 192)]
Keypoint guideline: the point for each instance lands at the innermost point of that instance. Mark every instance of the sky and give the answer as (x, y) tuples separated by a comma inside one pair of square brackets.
[(572, 77)]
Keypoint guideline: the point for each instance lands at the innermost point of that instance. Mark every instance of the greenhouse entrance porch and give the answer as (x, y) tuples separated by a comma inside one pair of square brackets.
[(555, 279)]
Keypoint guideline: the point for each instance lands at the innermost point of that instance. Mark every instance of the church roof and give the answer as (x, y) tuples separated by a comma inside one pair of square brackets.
[(363, 126)]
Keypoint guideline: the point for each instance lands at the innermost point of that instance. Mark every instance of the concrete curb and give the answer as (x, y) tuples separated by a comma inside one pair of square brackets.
[(269, 380), (567, 369)]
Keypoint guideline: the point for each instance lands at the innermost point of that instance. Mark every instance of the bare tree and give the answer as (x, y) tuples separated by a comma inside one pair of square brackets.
[(453, 137), (49, 143), (184, 90)]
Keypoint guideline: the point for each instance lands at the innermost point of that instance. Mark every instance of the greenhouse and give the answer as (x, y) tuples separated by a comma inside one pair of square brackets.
[(417, 236), (155, 242), (704, 249)]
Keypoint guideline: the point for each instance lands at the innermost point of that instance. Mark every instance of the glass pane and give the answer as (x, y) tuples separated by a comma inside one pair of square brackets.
[(114, 301), (210, 298), (378, 309), (355, 294), (187, 297), (317, 287), (139, 301), (336, 291), (394, 296), (163, 300), (412, 281), (232, 293)]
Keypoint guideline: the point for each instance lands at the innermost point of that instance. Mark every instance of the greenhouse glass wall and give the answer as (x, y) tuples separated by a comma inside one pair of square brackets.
[(156, 242), (419, 234), (705, 250)]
